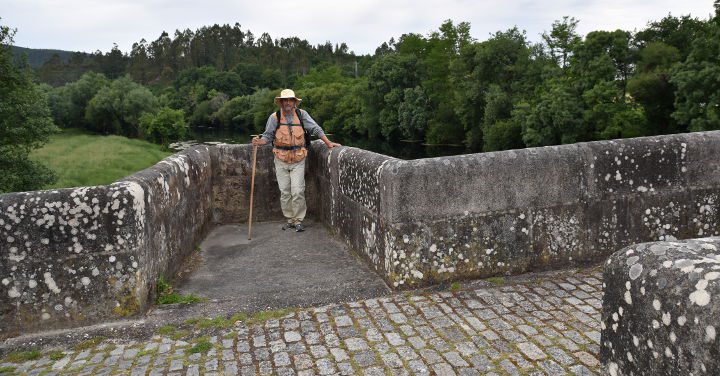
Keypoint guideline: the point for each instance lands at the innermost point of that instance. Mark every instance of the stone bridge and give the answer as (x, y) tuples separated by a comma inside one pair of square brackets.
[(71, 257)]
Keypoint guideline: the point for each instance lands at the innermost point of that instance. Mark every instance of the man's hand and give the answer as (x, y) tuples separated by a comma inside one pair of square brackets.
[(332, 145), (256, 141)]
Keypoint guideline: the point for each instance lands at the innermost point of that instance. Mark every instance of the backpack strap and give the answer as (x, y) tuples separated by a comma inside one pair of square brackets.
[(307, 134), (277, 127)]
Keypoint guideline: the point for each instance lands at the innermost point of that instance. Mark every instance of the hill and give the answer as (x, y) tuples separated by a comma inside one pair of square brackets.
[(37, 57)]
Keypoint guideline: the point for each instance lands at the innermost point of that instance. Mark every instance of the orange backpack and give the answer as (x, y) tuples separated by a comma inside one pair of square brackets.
[(292, 141)]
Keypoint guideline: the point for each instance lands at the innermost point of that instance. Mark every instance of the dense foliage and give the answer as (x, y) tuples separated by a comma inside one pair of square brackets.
[(442, 88), (25, 123)]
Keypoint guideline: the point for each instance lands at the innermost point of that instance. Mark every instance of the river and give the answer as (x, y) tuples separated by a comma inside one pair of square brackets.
[(398, 149)]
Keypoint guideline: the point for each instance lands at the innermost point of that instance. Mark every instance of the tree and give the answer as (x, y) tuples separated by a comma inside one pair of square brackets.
[(414, 113), (651, 88), (68, 103), (498, 132), (165, 126), (116, 109), (678, 32), (505, 64), (603, 56), (25, 123), (697, 79), (556, 117), (609, 115), (562, 40)]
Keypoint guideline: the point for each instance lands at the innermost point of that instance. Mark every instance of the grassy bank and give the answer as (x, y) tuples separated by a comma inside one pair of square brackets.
[(82, 159)]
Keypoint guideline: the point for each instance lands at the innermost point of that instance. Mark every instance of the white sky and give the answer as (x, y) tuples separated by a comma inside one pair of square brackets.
[(86, 25)]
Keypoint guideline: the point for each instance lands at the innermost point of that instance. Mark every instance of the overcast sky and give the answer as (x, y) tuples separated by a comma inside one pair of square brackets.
[(86, 25)]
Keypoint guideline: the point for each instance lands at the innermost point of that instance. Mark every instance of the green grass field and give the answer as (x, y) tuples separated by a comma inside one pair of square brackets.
[(81, 159)]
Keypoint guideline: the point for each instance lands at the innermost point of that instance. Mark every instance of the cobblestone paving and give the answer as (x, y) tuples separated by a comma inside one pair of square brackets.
[(545, 325)]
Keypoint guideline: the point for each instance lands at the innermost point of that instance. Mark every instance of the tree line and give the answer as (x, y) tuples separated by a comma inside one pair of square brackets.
[(501, 93)]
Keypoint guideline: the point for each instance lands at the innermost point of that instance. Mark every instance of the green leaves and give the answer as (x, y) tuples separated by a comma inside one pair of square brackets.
[(25, 124), (698, 83), (117, 108), (165, 126)]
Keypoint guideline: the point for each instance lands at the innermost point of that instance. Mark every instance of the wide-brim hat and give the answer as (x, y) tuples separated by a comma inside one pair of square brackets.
[(287, 94)]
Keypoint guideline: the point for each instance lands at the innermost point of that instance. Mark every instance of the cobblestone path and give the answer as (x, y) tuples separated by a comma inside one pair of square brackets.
[(545, 324)]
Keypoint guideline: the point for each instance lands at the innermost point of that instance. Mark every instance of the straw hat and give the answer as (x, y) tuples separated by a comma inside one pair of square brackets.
[(287, 94)]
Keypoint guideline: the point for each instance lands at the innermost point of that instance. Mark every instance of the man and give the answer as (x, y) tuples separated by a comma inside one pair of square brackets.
[(286, 129)]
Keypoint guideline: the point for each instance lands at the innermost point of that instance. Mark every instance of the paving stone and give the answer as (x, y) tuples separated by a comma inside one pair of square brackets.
[(406, 353), (141, 371), (560, 356), (520, 361), (346, 369), (230, 368), (443, 369), (551, 368), (568, 344), (392, 360), (303, 361), (347, 332), (365, 359), (394, 339), (265, 367), (418, 367), (245, 359), (319, 351), (374, 371), (262, 353), (343, 321), (248, 371), (356, 344), (292, 336), (467, 349), (580, 370), (339, 354), (417, 342), (531, 351), (325, 366), (211, 365), (439, 344), (430, 356), (587, 359), (332, 340), (193, 370), (312, 338), (455, 359), (242, 346), (374, 335), (281, 359)]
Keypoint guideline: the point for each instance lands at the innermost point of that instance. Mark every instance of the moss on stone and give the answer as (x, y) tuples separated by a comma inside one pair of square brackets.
[(128, 306), (22, 356), (89, 344)]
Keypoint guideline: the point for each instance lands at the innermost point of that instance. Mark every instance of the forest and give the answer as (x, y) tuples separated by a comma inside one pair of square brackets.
[(504, 92)]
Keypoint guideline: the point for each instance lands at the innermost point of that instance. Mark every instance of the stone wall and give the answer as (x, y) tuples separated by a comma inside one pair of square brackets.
[(661, 303), (441, 219), (76, 256)]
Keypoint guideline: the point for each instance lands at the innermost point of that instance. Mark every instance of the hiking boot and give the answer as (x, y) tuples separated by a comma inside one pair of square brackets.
[(287, 226), (299, 227)]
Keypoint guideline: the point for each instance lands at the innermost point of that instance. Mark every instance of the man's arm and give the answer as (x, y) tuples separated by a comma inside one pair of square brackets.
[(269, 135)]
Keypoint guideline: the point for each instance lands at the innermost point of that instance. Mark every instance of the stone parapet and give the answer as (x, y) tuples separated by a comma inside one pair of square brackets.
[(661, 305), (77, 256), (441, 219)]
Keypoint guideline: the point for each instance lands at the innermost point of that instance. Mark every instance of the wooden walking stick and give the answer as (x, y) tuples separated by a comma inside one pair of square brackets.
[(252, 190)]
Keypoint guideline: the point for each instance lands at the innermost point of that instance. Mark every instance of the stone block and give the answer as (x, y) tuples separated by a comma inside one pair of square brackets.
[(660, 309)]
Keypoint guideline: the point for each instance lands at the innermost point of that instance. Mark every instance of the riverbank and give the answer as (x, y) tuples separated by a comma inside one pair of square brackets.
[(82, 159)]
